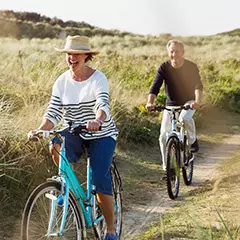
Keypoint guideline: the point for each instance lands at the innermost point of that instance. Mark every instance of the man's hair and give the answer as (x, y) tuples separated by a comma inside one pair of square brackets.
[(175, 41)]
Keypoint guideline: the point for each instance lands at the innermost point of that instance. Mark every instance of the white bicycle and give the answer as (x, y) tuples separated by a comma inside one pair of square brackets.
[(178, 152)]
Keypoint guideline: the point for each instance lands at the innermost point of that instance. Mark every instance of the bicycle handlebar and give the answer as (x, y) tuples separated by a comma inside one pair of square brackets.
[(73, 128), (39, 134), (172, 109)]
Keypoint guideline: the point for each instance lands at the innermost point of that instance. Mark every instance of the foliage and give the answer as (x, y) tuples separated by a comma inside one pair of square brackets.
[(134, 126), (33, 25), (29, 67)]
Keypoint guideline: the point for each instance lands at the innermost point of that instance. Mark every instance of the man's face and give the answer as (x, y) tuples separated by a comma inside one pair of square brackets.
[(75, 61), (176, 53)]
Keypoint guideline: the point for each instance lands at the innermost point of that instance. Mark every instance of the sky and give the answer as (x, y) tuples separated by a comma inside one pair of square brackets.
[(177, 17)]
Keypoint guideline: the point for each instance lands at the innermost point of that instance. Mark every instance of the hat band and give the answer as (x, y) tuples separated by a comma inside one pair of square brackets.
[(77, 46)]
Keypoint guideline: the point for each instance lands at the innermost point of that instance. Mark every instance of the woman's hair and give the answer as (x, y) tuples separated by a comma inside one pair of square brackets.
[(89, 57), (175, 41)]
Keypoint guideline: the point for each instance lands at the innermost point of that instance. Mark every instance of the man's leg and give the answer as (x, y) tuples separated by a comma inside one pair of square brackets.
[(165, 127), (187, 117)]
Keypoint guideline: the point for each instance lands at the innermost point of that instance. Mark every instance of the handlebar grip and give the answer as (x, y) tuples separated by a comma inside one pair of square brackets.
[(187, 107), (157, 108), (78, 129), (33, 137)]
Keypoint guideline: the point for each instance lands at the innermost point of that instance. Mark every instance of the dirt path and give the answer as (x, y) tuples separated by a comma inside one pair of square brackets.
[(205, 169), (139, 217)]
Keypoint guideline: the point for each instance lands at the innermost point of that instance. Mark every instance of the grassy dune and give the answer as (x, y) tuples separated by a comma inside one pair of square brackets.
[(30, 67)]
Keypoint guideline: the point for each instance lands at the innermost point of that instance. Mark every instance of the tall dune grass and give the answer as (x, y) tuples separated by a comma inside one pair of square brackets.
[(28, 69)]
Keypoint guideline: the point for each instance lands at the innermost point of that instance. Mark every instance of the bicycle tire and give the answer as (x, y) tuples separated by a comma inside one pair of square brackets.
[(35, 219), (117, 196), (173, 167), (187, 169), (100, 228)]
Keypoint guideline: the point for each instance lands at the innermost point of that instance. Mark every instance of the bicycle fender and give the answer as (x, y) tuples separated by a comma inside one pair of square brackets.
[(173, 134), (56, 179)]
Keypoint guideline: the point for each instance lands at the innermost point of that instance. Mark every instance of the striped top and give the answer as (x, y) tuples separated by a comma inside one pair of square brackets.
[(80, 101)]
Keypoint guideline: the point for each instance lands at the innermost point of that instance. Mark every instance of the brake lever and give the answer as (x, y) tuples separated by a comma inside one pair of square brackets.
[(187, 107), (157, 108), (79, 129)]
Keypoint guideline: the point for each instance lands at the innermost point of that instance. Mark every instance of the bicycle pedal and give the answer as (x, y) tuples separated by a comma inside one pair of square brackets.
[(191, 159), (60, 200)]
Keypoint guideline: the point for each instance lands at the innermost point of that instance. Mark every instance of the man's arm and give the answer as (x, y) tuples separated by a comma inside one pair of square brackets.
[(155, 88), (198, 99), (150, 103)]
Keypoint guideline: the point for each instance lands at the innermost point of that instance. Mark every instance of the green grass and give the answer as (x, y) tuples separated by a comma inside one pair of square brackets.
[(29, 68)]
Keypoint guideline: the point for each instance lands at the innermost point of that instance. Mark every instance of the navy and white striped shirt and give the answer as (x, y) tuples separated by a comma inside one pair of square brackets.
[(80, 101)]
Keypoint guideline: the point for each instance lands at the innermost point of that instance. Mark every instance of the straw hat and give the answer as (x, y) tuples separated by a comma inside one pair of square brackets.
[(76, 45)]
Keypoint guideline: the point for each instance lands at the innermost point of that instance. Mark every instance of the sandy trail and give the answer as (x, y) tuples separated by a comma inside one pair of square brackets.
[(205, 169), (139, 217)]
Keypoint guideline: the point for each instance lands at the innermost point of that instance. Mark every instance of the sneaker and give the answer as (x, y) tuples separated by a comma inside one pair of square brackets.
[(110, 236), (195, 146)]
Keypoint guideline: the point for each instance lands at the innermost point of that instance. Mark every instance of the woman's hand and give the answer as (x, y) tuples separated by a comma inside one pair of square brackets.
[(94, 125), (32, 135)]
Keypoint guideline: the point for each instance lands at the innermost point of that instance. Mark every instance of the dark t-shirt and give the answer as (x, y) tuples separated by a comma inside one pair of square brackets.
[(179, 83)]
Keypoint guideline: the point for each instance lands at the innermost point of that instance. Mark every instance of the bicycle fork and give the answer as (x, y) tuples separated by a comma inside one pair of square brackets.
[(54, 204), (64, 194)]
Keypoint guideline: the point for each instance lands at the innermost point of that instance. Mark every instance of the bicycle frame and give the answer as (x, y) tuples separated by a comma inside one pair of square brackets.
[(69, 181), (178, 130), (175, 124)]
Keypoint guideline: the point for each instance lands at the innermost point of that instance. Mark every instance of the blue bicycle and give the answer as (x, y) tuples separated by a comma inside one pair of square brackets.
[(60, 208)]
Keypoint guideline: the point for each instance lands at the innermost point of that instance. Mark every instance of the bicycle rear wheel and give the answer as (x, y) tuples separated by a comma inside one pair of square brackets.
[(117, 196), (38, 210), (101, 227), (187, 169), (173, 167)]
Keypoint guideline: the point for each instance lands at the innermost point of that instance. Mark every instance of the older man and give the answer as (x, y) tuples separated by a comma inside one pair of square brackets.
[(183, 85)]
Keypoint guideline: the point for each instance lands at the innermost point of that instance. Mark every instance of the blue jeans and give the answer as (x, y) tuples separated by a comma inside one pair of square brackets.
[(101, 151)]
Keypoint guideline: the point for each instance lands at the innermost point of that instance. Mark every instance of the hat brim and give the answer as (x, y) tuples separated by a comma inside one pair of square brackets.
[(75, 51)]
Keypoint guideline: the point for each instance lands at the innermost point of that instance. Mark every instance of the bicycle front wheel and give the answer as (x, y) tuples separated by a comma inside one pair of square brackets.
[(173, 167), (42, 215)]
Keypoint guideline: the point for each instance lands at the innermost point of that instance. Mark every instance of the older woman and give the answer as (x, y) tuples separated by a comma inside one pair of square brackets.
[(83, 94)]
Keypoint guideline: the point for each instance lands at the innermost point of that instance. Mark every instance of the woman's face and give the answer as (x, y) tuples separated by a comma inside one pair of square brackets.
[(75, 61)]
